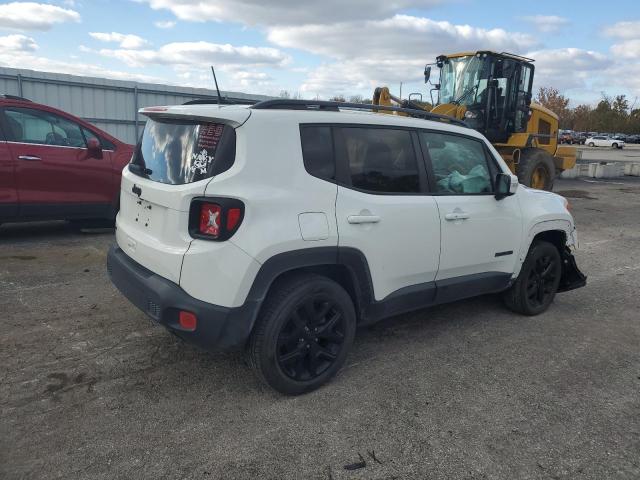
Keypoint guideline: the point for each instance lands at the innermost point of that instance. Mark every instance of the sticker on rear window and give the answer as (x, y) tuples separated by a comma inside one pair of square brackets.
[(208, 137)]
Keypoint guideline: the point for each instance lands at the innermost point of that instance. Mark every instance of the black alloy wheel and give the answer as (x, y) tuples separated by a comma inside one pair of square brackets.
[(542, 281), (311, 338), (303, 334), (538, 281)]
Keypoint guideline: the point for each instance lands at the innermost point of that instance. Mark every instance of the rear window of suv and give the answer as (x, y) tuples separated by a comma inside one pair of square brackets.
[(178, 152)]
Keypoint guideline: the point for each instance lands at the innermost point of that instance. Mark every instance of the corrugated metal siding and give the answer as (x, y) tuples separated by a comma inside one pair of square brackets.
[(111, 105)]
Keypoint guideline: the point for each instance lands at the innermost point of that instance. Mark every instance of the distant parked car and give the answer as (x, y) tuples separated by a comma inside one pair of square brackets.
[(56, 166), (580, 138), (604, 141), (565, 137), (633, 139)]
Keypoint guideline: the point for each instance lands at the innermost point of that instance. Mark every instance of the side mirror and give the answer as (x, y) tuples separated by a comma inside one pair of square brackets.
[(94, 148), (427, 74), (506, 185)]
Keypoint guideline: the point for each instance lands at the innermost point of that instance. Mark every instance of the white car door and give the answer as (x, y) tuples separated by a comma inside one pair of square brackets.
[(480, 235), (383, 208)]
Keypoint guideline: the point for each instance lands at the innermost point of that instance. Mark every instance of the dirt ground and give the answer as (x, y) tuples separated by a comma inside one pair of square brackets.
[(90, 389)]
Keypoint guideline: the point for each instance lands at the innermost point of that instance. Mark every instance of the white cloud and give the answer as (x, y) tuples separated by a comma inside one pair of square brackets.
[(547, 23), (398, 50), (629, 49), (17, 43), (125, 40), (250, 80), (17, 51), (567, 68), (200, 53), (401, 36), (34, 16), (284, 12), (628, 33), (165, 24), (628, 30)]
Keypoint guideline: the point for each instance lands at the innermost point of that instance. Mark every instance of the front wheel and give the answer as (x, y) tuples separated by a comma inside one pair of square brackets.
[(538, 281), (614, 145), (303, 335), (591, 144)]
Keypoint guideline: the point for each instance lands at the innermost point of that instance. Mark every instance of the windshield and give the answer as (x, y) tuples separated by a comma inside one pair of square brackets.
[(461, 80), (178, 152)]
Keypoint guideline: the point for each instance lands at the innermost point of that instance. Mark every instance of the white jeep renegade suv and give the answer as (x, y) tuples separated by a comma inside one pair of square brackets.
[(283, 226)]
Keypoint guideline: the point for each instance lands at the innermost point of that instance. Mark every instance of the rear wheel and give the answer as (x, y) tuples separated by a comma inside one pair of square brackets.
[(536, 169), (303, 335), (537, 283)]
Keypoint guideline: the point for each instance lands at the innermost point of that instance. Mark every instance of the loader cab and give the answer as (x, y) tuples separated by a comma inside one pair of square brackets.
[(491, 91)]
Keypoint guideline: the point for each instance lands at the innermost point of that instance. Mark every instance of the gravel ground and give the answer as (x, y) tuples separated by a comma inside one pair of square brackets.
[(91, 389)]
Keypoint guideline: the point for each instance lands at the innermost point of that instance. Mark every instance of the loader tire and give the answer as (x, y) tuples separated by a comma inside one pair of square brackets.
[(536, 169)]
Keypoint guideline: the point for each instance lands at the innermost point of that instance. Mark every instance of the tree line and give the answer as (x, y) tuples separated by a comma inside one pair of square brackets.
[(611, 114)]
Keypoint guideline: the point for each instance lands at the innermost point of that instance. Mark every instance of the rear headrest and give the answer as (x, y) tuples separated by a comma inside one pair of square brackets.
[(378, 157), (16, 128)]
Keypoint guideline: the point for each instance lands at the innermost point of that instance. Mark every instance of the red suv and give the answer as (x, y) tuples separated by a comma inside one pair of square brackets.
[(55, 166)]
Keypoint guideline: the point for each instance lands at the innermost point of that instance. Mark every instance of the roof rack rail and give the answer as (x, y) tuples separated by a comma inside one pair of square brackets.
[(287, 104), (519, 57), (223, 101), (13, 97)]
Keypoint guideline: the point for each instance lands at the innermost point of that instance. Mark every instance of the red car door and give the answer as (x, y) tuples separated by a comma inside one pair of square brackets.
[(8, 191), (57, 176)]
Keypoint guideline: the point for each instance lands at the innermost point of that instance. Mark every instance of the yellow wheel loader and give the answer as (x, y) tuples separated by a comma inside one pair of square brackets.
[(491, 92)]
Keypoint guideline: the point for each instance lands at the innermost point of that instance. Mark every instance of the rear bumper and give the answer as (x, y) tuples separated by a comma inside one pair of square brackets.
[(218, 328)]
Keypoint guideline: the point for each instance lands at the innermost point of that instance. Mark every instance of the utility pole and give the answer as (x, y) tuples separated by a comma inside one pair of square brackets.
[(400, 91)]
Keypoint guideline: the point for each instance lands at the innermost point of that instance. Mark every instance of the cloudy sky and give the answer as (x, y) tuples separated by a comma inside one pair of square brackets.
[(322, 48)]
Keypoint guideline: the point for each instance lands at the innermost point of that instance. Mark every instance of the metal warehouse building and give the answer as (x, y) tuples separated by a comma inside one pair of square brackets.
[(111, 105)]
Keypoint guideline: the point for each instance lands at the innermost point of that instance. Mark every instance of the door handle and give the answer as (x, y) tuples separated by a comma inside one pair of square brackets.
[(30, 158), (358, 219), (456, 216)]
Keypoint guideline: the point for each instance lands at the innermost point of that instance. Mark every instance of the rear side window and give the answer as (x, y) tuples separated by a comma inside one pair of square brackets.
[(460, 165), (317, 151), (380, 160), (178, 152)]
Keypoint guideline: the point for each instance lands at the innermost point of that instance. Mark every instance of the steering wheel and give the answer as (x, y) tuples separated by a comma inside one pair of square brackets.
[(54, 138)]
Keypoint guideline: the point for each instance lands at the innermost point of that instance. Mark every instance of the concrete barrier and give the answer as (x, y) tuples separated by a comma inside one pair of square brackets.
[(632, 169), (602, 170), (609, 170)]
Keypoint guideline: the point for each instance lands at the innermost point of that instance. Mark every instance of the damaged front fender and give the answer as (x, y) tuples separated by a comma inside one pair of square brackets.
[(571, 277)]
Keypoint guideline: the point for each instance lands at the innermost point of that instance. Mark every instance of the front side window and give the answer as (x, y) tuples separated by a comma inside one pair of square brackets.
[(105, 144), (34, 126), (459, 164), (380, 159), (178, 152)]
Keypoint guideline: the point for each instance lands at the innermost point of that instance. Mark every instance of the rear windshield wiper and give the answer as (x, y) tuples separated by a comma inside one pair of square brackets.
[(139, 170)]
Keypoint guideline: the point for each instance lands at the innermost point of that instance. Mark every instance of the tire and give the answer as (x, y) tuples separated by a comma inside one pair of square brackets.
[(537, 283), (614, 145), (591, 144), (303, 334), (536, 169)]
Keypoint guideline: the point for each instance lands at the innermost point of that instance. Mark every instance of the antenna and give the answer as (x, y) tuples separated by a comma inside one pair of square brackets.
[(216, 82)]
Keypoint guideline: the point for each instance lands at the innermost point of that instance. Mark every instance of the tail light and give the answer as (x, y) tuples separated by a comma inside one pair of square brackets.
[(213, 218)]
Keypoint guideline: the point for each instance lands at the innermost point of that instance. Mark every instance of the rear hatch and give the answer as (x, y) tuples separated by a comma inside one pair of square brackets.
[(181, 150)]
